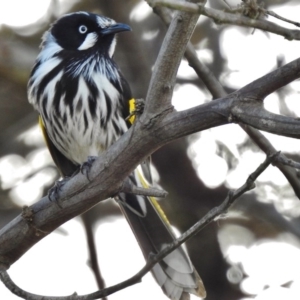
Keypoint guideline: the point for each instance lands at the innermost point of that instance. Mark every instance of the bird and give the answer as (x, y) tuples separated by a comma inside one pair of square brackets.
[(83, 102)]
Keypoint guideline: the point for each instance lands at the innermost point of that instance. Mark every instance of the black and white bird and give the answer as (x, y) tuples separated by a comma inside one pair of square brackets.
[(83, 101)]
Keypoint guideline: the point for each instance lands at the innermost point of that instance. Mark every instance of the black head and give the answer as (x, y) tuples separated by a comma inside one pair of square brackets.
[(81, 31)]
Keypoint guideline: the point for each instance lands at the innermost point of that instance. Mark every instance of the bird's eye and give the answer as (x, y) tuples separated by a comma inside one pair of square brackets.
[(82, 29)]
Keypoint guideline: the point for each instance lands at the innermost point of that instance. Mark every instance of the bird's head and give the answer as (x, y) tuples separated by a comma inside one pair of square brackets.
[(81, 31)]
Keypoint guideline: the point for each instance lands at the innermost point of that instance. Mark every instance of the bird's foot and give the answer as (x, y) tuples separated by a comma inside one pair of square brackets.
[(53, 193), (86, 166)]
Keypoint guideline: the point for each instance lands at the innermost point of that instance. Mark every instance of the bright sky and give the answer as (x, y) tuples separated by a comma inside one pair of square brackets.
[(64, 270), (27, 12)]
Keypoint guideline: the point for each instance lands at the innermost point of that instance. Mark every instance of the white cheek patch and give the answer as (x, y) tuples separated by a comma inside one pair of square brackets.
[(90, 41)]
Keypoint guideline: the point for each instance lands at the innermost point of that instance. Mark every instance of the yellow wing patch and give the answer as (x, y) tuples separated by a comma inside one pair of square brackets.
[(131, 118), (153, 199), (42, 126)]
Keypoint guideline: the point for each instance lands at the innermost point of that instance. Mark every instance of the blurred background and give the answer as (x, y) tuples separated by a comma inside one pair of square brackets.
[(252, 253)]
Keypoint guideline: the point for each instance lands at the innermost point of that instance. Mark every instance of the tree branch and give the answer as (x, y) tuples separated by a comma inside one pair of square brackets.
[(129, 188), (113, 166), (263, 143), (288, 162), (221, 17), (212, 215), (264, 120), (252, 8), (202, 71), (165, 70)]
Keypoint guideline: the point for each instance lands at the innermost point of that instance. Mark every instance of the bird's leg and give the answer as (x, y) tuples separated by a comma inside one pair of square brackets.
[(86, 166), (53, 193)]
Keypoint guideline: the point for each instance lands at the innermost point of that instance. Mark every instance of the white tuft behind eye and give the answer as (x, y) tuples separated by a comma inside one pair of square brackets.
[(82, 29)]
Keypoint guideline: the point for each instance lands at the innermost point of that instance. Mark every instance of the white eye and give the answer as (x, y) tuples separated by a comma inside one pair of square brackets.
[(82, 29)]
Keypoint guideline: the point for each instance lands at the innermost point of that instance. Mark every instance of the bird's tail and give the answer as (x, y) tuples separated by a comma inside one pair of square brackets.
[(175, 273)]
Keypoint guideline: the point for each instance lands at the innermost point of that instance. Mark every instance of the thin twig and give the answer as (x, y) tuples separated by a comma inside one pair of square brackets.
[(252, 8), (212, 215), (93, 261), (129, 188), (204, 73), (271, 13), (225, 1), (288, 162), (264, 144), (221, 17), (5, 278)]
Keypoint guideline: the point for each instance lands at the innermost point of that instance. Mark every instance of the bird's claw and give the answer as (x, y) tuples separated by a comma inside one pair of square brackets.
[(86, 166), (139, 106), (53, 193), (136, 109)]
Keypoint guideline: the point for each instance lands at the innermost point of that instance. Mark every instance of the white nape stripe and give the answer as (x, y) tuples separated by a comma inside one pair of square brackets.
[(49, 47), (90, 41)]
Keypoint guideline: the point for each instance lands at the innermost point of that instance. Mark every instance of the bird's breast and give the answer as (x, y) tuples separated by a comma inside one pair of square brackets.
[(82, 114)]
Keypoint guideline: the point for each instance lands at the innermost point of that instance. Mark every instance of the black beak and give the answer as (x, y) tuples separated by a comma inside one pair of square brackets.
[(115, 28)]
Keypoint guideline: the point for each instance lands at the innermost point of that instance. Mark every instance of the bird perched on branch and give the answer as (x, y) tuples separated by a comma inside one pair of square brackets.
[(83, 101)]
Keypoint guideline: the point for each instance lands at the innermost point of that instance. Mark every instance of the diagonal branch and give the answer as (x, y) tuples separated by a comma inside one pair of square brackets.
[(212, 215), (264, 144)]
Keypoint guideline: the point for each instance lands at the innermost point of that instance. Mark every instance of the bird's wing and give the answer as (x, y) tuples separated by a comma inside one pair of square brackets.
[(65, 166)]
